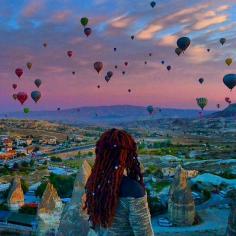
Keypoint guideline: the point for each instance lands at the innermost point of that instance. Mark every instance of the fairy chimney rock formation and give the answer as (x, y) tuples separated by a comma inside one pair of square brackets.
[(49, 211), (181, 206), (15, 197), (74, 221), (231, 229)]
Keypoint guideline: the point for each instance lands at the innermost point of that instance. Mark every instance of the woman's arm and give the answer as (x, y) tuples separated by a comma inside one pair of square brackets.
[(139, 217)]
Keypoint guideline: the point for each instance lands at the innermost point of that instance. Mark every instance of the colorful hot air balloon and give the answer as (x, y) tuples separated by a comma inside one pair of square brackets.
[(36, 95), (201, 80), (98, 86), (126, 63), (183, 43), (150, 54), (230, 80), (218, 106), (73, 72), (202, 102), (69, 53), (114, 49), (45, 45), (107, 78), (116, 66), (168, 68), (98, 66), (38, 82), (150, 109), (14, 86), (228, 61), (208, 49), (178, 51), (222, 41), (29, 65), (22, 97), (26, 110), (19, 72), (153, 4), (228, 100), (14, 96), (84, 21), (87, 31), (132, 37), (145, 62), (58, 109), (162, 62), (129, 90), (123, 72), (109, 74)]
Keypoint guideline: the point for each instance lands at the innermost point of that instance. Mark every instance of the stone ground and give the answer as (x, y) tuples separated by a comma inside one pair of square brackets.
[(214, 224)]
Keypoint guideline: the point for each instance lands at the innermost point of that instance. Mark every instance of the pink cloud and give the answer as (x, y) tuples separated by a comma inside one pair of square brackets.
[(33, 8), (61, 16)]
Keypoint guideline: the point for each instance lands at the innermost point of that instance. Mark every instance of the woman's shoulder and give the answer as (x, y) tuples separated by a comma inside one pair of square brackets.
[(131, 188)]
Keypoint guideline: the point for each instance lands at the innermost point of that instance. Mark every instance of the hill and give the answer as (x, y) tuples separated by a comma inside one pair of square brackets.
[(103, 114), (228, 112)]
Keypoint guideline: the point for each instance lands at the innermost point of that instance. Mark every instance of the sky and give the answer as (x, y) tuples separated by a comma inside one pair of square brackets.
[(25, 25)]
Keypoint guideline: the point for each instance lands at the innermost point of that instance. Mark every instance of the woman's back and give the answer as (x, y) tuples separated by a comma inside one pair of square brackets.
[(132, 217)]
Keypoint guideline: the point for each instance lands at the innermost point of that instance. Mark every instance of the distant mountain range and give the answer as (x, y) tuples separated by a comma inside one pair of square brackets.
[(105, 114), (228, 112)]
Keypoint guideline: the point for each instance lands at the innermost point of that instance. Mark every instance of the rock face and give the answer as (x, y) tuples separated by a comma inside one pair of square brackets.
[(15, 197), (181, 207), (231, 229), (73, 221), (49, 211)]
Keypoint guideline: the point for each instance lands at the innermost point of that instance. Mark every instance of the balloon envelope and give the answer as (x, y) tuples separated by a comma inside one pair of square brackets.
[(229, 61), (22, 97), (19, 72), (201, 80), (84, 21), (87, 31), (109, 74), (98, 66), (153, 4), (14, 86), (183, 43), (38, 82), (222, 41), (107, 78), (26, 110), (230, 80), (36, 95), (150, 109), (202, 102), (29, 65), (69, 53)]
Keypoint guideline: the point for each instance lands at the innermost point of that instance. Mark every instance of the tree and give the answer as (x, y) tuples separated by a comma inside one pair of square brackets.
[(27, 209), (24, 164), (32, 162), (15, 166), (24, 186)]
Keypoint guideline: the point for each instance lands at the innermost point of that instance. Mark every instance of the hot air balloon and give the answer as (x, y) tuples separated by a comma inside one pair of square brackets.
[(230, 80), (84, 21), (208, 49), (26, 110), (36, 95), (14, 86), (129, 90), (19, 72), (45, 45), (201, 80), (98, 66), (162, 62), (132, 37), (98, 86), (14, 96), (150, 109), (183, 43), (29, 65), (178, 51), (73, 72), (22, 97), (228, 61), (116, 66), (153, 4), (145, 62), (87, 31), (126, 63), (58, 109), (38, 82), (227, 99), (150, 54), (109, 74), (218, 106), (222, 41), (114, 49), (123, 72), (69, 53), (202, 102), (168, 68), (107, 78)]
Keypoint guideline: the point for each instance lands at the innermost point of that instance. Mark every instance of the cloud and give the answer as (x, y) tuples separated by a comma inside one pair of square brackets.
[(33, 8), (121, 21), (169, 40), (223, 8), (149, 32), (205, 23), (61, 16)]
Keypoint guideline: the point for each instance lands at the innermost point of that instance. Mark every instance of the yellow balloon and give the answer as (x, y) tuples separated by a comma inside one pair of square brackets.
[(29, 65), (229, 61)]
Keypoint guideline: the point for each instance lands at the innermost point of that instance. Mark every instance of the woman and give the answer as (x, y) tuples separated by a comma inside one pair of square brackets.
[(116, 200)]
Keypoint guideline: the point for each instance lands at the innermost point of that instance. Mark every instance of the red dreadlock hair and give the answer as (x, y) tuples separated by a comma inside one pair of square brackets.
[(116, 151)]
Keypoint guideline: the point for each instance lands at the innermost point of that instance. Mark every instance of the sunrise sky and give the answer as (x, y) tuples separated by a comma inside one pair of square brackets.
[(26, 24)]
